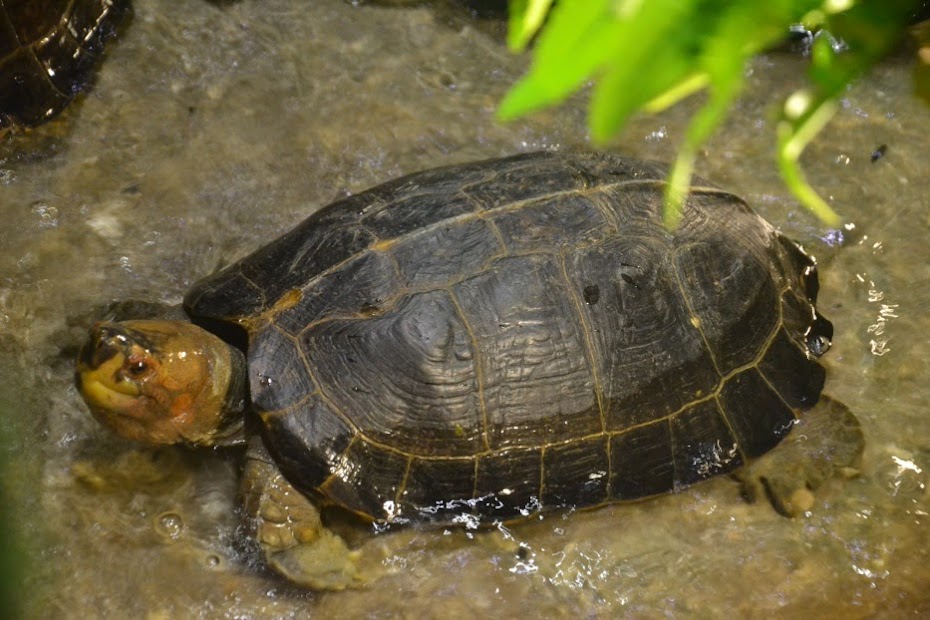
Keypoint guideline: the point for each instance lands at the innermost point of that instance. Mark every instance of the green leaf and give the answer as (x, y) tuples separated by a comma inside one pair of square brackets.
[(526, 16), (649, 54), (723, 60), (573, 47), (793, 137)]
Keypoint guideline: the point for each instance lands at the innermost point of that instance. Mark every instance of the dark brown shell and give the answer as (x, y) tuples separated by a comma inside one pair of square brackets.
[(499, 337), (48, 49)]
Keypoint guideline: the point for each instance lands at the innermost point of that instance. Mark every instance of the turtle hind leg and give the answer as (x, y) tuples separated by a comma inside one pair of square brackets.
[(826, 442), (289, 531)]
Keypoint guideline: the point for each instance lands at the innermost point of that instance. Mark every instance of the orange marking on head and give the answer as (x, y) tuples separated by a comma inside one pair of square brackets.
[(156, 381)]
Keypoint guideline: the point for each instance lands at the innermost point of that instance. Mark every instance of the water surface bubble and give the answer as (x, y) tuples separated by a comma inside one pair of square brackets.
[(169, 524), (47, 215)]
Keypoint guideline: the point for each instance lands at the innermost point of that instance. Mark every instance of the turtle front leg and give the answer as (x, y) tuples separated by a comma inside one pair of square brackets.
[(289, 531), (826, 442)]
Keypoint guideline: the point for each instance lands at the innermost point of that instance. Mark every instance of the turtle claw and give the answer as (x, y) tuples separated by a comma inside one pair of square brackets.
[(325, 564), (827, 442), (298, 547), (290, 532), (791, 494)]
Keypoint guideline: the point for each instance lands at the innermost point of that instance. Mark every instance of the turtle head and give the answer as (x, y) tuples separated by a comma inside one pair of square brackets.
[(163, 382)]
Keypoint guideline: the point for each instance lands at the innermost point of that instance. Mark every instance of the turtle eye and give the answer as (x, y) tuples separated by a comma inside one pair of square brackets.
[(137, 368)]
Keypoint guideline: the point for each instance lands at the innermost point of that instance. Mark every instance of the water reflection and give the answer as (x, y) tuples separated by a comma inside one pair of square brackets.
[(878, 338)]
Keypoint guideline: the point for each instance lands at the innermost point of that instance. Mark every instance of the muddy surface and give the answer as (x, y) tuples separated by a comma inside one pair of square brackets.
[(214, 127)]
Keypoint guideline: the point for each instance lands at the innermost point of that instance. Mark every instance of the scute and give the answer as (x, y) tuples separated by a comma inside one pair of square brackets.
[(509, 482), (576, 473), (704, 445), (301, 256), (439, 490), (642, 461), (365, 479), (441, 256), (731, 297), (530, 349), (756, 412), (548, 221), (310, 442), (792, 371), (650, 358), (499, 337), (48, 49), (406, 373), (278, 376), (346, 229)]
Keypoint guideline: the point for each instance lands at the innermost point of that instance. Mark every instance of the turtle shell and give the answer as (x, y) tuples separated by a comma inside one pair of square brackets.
[(47, 51), (495, 338)]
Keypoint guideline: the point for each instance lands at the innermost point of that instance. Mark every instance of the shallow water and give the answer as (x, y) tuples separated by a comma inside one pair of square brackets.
[(213, 128)]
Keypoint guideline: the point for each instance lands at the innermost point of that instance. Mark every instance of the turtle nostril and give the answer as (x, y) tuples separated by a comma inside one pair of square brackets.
[(103, 333)]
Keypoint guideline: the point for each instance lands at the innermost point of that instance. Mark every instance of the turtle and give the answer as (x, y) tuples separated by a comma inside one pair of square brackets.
[(48, 49), (483, 342)]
